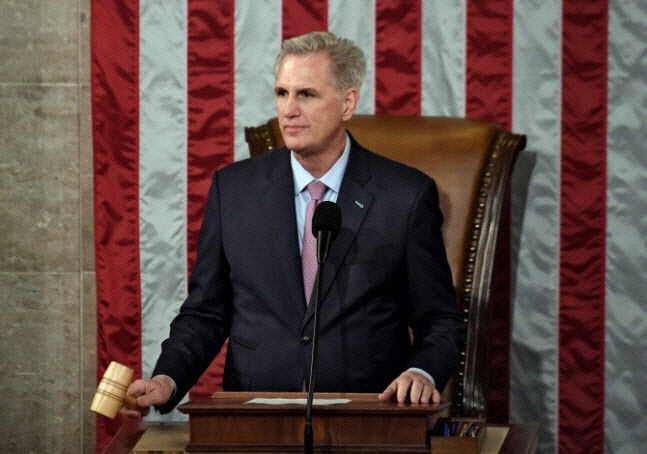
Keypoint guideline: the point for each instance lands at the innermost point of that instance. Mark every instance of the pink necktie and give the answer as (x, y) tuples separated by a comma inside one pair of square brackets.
[(309, 250)]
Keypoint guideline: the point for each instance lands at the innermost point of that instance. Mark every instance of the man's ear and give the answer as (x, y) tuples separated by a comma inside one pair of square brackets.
[(349, 103)]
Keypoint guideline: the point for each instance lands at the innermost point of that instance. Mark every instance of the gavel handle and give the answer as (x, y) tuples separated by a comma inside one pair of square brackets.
[(131, 402)]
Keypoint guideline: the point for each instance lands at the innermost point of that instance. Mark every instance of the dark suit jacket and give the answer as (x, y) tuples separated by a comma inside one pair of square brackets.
[(387, 270)]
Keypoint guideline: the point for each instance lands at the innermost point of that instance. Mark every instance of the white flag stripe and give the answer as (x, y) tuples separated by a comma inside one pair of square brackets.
[(626, 259), (356, 21), (162, 173), (257, 40), (535, 217), (443, 58)]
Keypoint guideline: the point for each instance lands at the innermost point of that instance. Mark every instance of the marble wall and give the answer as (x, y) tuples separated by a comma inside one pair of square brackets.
[(47, 297)]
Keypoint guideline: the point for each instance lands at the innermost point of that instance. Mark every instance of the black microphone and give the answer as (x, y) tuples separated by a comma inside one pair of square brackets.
[(326, 222)]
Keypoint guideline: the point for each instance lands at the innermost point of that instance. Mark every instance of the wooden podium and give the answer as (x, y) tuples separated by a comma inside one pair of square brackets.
[(226, 423)]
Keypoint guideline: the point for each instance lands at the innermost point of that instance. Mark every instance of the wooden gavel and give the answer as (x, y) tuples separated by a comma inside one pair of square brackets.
[(112, 392)]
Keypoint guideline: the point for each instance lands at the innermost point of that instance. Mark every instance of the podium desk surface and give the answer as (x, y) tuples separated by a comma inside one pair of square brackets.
[(228, 403), (521, 438)]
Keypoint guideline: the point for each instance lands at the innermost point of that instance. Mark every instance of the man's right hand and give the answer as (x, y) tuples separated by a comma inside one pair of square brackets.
[(155, 391)]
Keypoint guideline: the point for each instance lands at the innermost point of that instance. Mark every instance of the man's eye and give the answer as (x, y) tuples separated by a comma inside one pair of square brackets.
[(308, 94)]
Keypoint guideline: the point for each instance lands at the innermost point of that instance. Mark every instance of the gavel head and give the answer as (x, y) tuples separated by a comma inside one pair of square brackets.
[(111, 392)]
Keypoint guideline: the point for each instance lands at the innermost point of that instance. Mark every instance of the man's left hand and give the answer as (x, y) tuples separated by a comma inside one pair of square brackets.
[(414, 385)]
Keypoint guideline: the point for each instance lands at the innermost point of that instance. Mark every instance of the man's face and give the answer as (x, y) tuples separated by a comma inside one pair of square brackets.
[(311, 112)]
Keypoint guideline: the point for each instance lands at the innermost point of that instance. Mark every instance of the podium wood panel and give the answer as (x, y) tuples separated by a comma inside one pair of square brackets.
[(226, 423)]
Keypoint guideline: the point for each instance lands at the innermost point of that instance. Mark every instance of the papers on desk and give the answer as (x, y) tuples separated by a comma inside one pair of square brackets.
[(281, 401)]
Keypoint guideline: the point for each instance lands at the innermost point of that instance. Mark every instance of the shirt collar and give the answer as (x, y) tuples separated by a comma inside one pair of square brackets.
[(332, 179)]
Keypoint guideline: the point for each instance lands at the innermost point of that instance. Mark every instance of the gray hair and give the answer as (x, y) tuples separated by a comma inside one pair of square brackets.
[(348, 65)]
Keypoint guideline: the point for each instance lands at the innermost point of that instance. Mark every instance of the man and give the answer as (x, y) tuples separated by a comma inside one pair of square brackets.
[(386, 271)]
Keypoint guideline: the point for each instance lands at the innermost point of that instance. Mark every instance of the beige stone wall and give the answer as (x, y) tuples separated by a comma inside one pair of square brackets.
[(47, 297)]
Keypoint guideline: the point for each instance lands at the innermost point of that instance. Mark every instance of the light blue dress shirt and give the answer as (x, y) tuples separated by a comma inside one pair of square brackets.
[(302, 178)]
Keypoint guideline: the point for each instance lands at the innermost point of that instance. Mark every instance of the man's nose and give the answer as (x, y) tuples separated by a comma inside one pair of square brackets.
[(291, 107)]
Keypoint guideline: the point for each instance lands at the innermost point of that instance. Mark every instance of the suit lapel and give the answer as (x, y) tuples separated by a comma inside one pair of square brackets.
[(354, 202), (281, 221)]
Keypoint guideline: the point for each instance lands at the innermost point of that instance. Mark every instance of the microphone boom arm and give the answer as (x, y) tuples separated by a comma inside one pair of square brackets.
[(326, 223), (323, 246)]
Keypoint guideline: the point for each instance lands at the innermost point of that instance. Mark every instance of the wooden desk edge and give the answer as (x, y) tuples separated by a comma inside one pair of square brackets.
[(525, 436)]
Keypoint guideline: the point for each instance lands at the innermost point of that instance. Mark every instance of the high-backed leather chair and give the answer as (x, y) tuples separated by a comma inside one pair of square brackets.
[(471, 162)]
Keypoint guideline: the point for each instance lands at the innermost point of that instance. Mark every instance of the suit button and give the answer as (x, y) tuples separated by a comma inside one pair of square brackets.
[(305, 340)]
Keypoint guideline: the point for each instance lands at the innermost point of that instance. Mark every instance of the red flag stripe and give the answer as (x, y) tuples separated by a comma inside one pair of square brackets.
[(115, 123), (583, 227), (210, 83), (303, 16), (488, 96), (398, 57), (488, 66)]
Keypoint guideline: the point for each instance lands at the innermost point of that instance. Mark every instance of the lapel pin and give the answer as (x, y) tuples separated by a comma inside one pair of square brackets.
[(359, 204)]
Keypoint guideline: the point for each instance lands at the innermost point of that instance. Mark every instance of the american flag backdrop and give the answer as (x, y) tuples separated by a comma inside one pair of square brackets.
[(175, 81)]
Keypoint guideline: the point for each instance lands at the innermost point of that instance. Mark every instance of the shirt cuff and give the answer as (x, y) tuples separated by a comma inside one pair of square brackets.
[(420, 371)]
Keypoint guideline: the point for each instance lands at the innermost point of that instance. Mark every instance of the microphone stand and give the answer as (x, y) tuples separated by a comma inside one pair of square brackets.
[(323, 245)]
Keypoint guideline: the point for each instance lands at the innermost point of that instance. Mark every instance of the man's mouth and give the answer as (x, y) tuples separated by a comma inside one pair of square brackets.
[(293, 128)]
